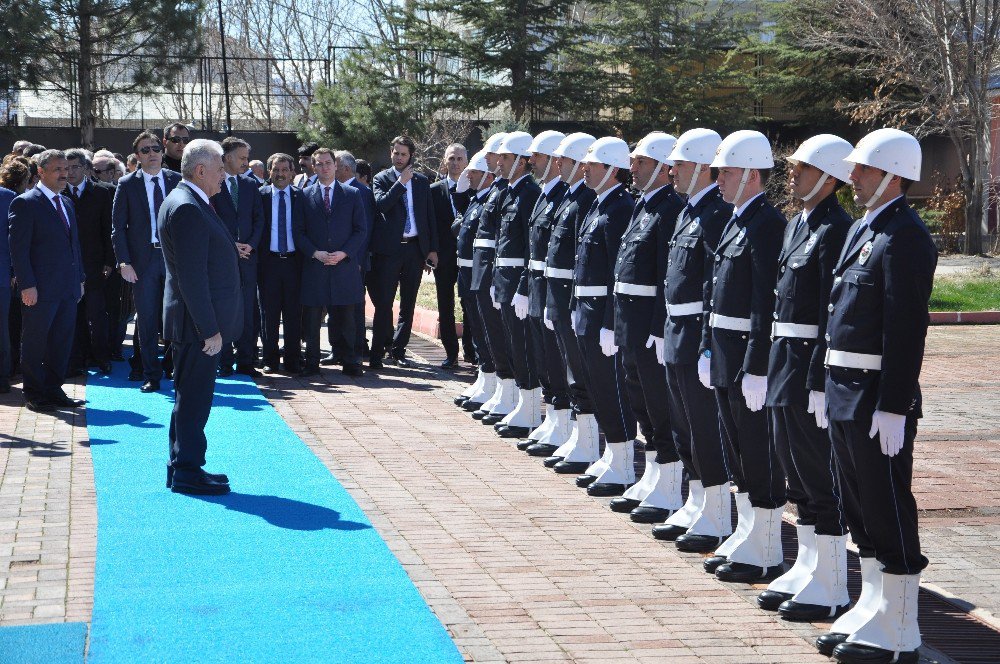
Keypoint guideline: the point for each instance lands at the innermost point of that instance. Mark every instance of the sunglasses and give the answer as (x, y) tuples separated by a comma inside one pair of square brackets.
[(179, 139), (102, 171), (150, 148)]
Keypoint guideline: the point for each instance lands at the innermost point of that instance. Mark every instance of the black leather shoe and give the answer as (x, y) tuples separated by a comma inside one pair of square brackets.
[(220, 477), (731, 572), (135, 375), (513, 432), (712, 563), (471, 406), (570, 467), (375, 363), (551, 461), (199, 484), (647, 514), (63, 401), (856, 653), (225, 372), (104, 368), (353, 370), (269, 368), (308, 371), (117, 357), (460, 399), (770, 600), (477, 414), (247, 370), (403, 363), (150, 386), (542, 450), (796, 612), (523, 445), (450, 363), (493, 418), (698, 543), (624, 505), (583, 481), (39, 406), (605, 489), (329, 360), (826, 643), (667, 532)]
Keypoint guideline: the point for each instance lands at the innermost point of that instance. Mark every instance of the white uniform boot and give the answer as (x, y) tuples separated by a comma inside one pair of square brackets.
[(525, 416), (619, 473), (636, 493), (795, 579), (712, 524), (825, 592), (506, 403), (582, 450), (676, 524), (665, 498), (595, 469), (541, 430), (491, 401), (559, 432), (893, 631), (759, 557), (864, 608), (470, 390), (744, 522), (482, 394)]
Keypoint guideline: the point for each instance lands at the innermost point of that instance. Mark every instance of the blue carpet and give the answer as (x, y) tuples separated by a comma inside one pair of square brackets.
[(286, 568), (52, 643)]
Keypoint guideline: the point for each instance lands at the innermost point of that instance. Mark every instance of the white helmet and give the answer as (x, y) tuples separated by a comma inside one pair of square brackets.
[(516, 142), (656, 145), (477, 163), (696, 145), (609, 150), (825, 152), (547, 142), (575, 147), (493, 142), (889, 150), (744, 149)]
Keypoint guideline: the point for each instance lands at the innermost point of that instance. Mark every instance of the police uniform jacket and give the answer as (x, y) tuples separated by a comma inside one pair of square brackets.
[(746, 269), (512, 237), (594, 272), (466, 224), (689, 274), (805, 277), (639, 308), (485, 243), (878, 308), (542, 218), (561, 256)]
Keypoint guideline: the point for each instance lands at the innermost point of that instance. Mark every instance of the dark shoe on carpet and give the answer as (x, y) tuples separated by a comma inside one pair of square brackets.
[(698, 543), (450, 363), (104, 368), (353, 370), (605, 489), (583, 481), (857, 653), (39, 406), (63, 401), (293, 367), (330, 359), (647, 514), (247, 370), (624, 505), (770, 600), (135, 375), (542, 450), (198, 484), (225, 372), (570, 467), (308, 371), (222, 478), (732, 572), (168, 374), (796, 612), (150, 386), (117, 357), (712, 563)]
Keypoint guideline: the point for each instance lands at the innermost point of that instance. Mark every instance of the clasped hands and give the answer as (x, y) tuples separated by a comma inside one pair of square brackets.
[(329, 257)]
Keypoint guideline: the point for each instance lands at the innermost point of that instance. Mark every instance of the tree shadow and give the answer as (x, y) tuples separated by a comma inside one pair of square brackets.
[(36, 448), (102, 417), (285, 512)]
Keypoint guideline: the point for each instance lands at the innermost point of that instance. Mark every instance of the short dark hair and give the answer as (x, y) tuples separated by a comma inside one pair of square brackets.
[(404, 140), (765, 175), (174, 125), (307, 149), (280, 156), (231, 143), (905, 184), (32, 150), (16, 172), (318, 151), (144, 136), (364, 169)]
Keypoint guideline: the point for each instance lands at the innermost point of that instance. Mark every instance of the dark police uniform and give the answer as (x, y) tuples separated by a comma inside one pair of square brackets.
[(639, 312), (483, 255), (809, 253), (688, 288), (466, 225), (876, 330), (738, 334)]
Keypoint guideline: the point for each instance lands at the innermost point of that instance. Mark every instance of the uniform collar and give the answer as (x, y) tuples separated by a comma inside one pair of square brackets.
[(576, 185), (743, 208), (603, 196), (872, 215), (696, 198), (550, 185), (648, 196), (517, 181)]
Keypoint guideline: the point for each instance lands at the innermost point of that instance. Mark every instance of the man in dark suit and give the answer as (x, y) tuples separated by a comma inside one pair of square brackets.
[(279, 276), (175, 137), (404, 238), (242, 211), (331, 235), (48, 266), (306, 175), (92, 203), (447, 204), (202, 310), (137, 246)]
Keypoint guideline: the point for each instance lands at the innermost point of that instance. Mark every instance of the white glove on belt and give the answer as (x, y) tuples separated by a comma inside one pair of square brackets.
[(817, 406), (890, 428), (658, 342), (608, 346), (548, 320), (705, 371), (493, 297), (754, 391), (520, 303)]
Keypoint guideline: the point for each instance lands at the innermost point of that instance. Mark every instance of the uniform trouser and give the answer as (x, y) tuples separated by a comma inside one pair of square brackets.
[(468, 339), (647, 394), (806, 454), (752, 459), (552, 372), (521, 355), (493, 331), (342, 320), (279, 282), (576, 369), (691, 402), (445, 276), (246, 343), (473, 324), (606, 383), (878, 502), (194, 385), (48, 324), (148, 291)]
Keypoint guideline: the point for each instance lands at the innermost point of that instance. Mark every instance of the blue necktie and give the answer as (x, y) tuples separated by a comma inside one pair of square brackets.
[(282, 224), (408, 227)]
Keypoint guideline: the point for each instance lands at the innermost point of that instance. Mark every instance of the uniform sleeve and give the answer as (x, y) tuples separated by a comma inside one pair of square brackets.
[(764, 250), (614, 229), (830, 246), (711, 235), (527, 203), (664, 231)]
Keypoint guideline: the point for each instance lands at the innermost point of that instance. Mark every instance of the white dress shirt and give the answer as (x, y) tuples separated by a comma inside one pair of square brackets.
[(412, 223), (148, 180), (275, 199)]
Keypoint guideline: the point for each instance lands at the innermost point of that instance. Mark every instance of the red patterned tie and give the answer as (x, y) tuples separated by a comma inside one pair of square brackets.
[(326, 198), (59, 209)]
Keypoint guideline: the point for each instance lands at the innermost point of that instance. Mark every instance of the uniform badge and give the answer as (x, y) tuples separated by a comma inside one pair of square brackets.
[(743, 234), (811, 242), (549, 207), (644, 221), (866, 252)]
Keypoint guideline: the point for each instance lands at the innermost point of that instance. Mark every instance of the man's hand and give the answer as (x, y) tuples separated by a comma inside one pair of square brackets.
[(891, 430), (335, 258), (432, 262), (754, 391), (817, 406), (548, 320), (658, 343), (128, 273), (82, 289), (244, 249), (406, 175), (705, 371), (322, 256), (213, 345), (520, 303), (29, 296), (607, 341)]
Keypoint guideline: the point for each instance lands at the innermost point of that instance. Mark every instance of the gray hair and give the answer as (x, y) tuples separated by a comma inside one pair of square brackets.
[(44, 157), (80, 155), (105, 153), (197, 152), (456, 146), (19, 146), (348, 160)]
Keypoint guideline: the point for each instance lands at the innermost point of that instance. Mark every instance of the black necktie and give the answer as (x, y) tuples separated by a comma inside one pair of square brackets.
[(857, 234), (157, 202), (282, 224)]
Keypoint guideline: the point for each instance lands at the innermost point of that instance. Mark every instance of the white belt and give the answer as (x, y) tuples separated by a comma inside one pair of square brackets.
[(465, 262), (686, 309), (490, 244), (510, 262), (537, 266), (841, 358), (635, 289), (590, 291), (729, 323), (557, 273), (796, 330)]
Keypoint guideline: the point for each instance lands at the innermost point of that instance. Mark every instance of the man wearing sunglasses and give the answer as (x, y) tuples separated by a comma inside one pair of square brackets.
[(175, 137), (137, 246)]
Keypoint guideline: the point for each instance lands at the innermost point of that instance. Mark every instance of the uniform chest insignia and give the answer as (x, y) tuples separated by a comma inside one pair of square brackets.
[(548, 208), (811, 242), (644, 221), (743, 234), (866, 252), (694, 224)]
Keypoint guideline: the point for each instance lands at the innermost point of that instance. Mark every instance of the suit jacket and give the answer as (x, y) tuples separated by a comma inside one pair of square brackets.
[(512, 237), (444, 217), (202, 296), (130, 228), (6, 196), (245, 224), (44, 252), (297, 203), (93, 214), (368, 199), (390, 221), (879, 306), (343, 228), (561, 254), (805, 278)]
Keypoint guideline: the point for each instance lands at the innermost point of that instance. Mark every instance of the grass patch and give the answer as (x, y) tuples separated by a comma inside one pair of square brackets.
[(966, 292), (427, 299)]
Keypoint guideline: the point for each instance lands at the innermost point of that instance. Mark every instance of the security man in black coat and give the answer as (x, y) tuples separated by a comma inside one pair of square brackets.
[(736, 345), (876, 331), (816, 586)]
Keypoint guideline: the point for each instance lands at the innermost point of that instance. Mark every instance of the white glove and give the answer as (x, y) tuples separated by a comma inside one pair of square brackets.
[(658, 341), (608, 346), (548, 321), (493, 296), (705, 371), (754, 391), (817, 406), (520, 303), (890, 428)]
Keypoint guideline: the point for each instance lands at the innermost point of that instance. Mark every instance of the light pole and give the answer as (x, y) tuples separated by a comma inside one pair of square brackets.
[(225, 74)]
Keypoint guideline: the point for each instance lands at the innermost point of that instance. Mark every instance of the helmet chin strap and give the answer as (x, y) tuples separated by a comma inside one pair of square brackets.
[(694, 179), (604, 180), (482, 181), (517, 159), (652, 178), (815, 190), (572, 173), (878, 192), (548, 166), (743, 184)]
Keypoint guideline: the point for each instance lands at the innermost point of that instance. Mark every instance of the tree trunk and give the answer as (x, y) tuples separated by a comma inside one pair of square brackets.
[(84, 74), (977, 193)]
